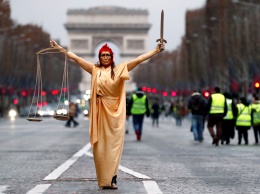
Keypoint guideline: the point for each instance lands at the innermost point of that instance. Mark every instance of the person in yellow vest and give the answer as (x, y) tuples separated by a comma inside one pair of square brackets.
[(244, 119), (217, 109), (139, 107), (229, 121), (256, 118), (178, 112)]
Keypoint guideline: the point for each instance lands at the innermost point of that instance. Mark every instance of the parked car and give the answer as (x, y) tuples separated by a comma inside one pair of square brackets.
[(46, 111), (24, 111)]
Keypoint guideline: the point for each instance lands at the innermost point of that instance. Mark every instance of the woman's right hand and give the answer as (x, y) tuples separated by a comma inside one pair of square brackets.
[(161, 47)]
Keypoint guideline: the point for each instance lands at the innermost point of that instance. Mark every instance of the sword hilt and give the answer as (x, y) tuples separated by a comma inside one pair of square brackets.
[(161, 40)]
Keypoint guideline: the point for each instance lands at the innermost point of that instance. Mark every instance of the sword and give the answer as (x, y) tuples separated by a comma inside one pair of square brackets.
[(161, 30)]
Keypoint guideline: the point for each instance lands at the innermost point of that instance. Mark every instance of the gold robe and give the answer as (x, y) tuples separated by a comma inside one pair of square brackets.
[(107, 120)]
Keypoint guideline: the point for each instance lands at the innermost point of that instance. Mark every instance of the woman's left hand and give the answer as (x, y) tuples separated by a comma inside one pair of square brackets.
[(161, 47)]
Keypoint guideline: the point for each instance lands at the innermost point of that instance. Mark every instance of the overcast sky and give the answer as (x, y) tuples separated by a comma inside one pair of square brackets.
[(52, 15)]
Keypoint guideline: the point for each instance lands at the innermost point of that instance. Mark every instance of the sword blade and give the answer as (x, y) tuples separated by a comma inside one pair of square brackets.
[(162, 22), (161, 29)]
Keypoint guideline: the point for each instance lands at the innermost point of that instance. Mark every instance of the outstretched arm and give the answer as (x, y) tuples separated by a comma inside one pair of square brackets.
[(133, 63), (84, 64)]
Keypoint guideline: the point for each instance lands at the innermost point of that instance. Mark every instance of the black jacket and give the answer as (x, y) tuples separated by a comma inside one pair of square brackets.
[(197, 104)]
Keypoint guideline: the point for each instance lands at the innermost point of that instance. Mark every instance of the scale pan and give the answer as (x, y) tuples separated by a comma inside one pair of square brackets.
[(34, 119), (61, 117)]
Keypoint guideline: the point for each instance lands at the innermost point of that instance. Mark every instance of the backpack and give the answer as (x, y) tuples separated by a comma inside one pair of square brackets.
[(196, 103)]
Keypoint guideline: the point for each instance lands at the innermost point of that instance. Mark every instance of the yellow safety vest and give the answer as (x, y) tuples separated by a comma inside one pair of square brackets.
[(139, 105), (244, 115), (229, 115), (256, 114), (217, 104)]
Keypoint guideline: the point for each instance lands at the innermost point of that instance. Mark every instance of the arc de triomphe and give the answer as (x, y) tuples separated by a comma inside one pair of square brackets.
[(88, 28)]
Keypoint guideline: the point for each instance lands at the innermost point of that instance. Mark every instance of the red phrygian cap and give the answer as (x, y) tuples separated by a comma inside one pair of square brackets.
[(105, 47)]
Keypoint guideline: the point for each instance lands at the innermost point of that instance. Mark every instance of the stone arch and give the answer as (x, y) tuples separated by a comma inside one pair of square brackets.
[(126, 28), (108, 39)]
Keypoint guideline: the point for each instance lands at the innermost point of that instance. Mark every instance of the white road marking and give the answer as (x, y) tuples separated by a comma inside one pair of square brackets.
[(3, 188), (152, 187), (39, 189), (136, 174), (62, 168), (126, 170), (89, 154)]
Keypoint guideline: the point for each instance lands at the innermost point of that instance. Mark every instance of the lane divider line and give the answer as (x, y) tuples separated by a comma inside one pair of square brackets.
[(89, 154), (152, 187), (126, 170), (62, 168), (39, 189), (136, 174)]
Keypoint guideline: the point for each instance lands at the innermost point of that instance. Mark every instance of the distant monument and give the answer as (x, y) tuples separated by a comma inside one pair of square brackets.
[(126, 28)]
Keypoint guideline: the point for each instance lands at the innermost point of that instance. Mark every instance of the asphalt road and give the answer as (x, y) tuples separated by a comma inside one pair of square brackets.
[(46, 157)]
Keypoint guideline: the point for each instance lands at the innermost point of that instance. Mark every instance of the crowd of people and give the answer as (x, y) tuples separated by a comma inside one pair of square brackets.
[(223, 115)]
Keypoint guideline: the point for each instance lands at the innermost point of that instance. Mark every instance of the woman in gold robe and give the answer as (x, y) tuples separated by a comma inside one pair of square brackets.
[(108, 109)]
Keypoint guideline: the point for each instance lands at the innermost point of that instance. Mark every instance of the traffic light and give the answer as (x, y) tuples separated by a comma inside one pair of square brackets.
[(15, 101), (165, 94), (144, 89), (54, 92), (206, 94), (174, 93), (154, 90), (23, 93), (149, 90)]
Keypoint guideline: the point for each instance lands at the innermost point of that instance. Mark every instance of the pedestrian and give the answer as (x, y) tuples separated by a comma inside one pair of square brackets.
[(72, 115), (128, 114), (139, 107), (229, 121), (217, 109), (155, 113), (256, 118), (197, 106), (178, 110), (163, 111), (107, 109), (244, 119)]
